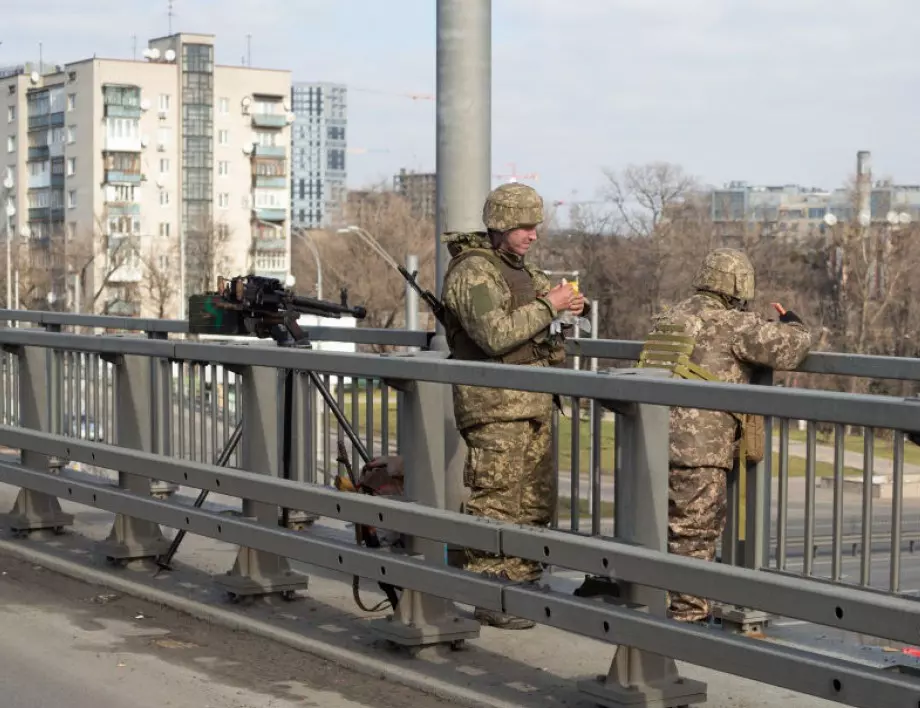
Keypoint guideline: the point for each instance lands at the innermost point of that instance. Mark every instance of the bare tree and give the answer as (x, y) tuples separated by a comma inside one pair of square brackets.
[(207, 256), (160, 261)]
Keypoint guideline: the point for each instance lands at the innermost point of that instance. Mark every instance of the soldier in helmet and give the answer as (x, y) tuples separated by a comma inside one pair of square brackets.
[(729, 343), (499, 309)]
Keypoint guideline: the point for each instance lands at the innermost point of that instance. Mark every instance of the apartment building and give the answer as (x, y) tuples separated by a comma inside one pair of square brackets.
[(137, 183), (420, 190), (318, 151)]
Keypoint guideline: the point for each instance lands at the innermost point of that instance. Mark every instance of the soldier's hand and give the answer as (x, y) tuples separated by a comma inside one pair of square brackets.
[(578, 305), (561, 297), (381, 472)]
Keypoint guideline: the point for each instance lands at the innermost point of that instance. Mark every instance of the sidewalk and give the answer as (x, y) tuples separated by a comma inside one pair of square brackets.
[(538, 668)]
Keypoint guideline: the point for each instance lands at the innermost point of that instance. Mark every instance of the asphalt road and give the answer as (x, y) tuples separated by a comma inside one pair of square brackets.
[(67, 643)]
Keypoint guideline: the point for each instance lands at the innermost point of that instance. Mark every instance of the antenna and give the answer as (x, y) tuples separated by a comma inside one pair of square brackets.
[(134, 46), (40, 57), (170, 14), (249, 50)]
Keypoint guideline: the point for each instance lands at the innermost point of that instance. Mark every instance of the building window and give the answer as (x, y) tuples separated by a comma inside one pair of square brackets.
[(11, 143), (72, 134), (223, 168), (72, 199), (223, 137), (164, 165), (164, 101), (224, 104), (71, 166), (164, 198), (71, 101), (10, 114), (164, 229), (223, 200)]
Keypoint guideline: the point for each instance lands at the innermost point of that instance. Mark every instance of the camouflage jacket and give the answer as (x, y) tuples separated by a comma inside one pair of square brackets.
[(729, 344), (478, 299)]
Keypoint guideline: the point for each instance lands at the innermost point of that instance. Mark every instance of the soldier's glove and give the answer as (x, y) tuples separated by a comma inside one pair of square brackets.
[(914, 438), (788, 317)]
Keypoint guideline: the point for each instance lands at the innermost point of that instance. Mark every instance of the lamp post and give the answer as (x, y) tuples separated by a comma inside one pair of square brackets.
[(319, 267), (10, 212)]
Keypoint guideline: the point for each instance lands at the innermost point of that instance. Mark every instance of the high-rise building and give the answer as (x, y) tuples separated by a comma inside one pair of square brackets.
[(420, 190), (128, 175), (318, 148)]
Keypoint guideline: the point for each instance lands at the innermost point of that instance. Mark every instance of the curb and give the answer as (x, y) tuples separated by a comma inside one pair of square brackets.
[(374, 668)]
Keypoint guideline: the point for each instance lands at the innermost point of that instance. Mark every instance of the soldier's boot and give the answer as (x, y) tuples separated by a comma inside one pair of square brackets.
[(500, 620)]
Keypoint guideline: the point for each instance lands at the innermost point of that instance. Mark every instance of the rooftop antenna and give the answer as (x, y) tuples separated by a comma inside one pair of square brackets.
[(134, 37), (40, 57), (170, 15), (249, 50)]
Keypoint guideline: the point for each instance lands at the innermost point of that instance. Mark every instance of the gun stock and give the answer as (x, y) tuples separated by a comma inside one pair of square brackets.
[(435, 305)]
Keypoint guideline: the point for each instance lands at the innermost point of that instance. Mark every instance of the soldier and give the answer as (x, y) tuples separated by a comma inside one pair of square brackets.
[(730, 342), (499, 309)]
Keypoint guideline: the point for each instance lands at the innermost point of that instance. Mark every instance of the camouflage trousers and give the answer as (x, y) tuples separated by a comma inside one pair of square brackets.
[(511, 476), (696, 518)]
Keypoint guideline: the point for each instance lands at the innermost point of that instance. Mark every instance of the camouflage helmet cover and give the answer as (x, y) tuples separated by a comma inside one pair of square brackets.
[(726, 271), (510, 206)]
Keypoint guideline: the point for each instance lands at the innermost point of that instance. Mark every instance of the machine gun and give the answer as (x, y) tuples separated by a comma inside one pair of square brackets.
[(255, 305)]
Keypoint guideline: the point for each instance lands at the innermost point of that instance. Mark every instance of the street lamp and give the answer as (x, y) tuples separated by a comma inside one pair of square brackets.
[(10, 212), (319, 267)]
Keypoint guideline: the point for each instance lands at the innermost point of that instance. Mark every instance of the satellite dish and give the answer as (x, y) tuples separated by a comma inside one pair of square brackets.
[(247, 101), (145, 104), (289, 280), (154, 53), (160, 182), (830, 219), (291, 117), (170, 55), (144, 141), (286, 105), (25, 232), (10, 210), (247, 148), (35, 77), (8, 182), (892, 217), (904, 218), (865, 218), (146, 54)]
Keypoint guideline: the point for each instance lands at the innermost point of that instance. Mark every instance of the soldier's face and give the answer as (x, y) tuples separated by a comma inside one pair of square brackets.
[(518, 241)]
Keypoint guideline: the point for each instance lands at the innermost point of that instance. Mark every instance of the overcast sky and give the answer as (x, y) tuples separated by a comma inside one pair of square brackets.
[(768, 91)]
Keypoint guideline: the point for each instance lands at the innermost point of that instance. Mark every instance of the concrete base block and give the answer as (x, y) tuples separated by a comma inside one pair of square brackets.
[(741, 619), (36, 511), (423, 620), (672, 694), (133, 539), (256, 573)]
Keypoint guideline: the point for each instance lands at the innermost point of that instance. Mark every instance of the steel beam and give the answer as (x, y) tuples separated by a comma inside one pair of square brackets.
[(33, 511), (132, 540)]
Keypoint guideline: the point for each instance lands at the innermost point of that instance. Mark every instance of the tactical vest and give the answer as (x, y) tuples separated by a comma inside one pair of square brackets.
[(520, 283), (670, 348)]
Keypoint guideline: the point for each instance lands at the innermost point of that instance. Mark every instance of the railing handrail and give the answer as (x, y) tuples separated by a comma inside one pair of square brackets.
[(829, 363), (867, 410)]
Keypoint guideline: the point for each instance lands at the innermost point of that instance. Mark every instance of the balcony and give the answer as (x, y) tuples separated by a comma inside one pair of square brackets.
[(40, 121), (39, 213), (123, 308), (125, 144), (269, 120), (274, 245), (123, 208), (270, 182), (270, 151), (270, 214), (123, 177), (114, 110), (57, 180), (39, 152), (57, 213), (57, 119)]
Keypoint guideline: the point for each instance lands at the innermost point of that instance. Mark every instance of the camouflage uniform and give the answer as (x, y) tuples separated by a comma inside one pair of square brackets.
[(730, 343), (496, 311)]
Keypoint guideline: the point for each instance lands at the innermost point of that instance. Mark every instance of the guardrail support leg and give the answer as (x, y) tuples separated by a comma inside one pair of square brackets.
[(35, 511), (131, 539), (258, 572), (160, 381), (636, 677), (424, 620)]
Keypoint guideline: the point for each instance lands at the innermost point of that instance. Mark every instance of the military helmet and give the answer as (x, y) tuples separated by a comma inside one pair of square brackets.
[(726, 271), (510, 206)]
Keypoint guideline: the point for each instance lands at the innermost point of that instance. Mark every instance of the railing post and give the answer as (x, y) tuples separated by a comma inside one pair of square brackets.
[(35, 511), (641, 678), (258, 572), (420, 619), (160, 403), (132, 539), (747, 525)]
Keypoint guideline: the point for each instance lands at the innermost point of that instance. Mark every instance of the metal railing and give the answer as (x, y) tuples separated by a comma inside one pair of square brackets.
[(144, 404)]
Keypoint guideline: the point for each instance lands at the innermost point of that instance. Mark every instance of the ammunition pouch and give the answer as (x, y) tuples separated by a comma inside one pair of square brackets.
[(670, 348)]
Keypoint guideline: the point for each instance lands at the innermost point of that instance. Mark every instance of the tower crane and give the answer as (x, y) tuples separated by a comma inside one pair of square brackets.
[(514, 176)]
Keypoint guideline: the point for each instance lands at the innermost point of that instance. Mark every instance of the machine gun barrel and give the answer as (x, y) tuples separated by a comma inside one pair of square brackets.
[(311, 306)]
